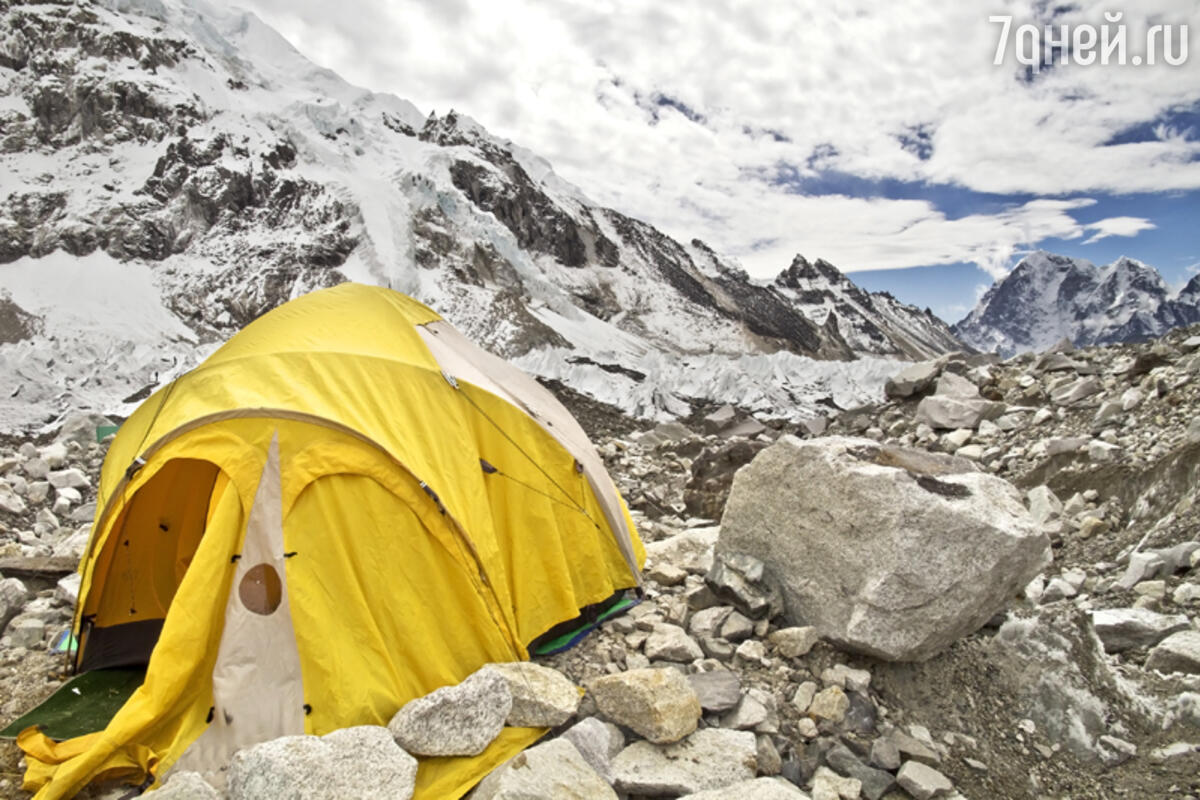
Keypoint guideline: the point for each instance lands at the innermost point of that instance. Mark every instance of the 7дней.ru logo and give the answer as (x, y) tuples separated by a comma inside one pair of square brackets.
[(1037, 46)]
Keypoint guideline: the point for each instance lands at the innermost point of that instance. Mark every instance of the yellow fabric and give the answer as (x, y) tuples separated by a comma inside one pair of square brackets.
[(412, 567)]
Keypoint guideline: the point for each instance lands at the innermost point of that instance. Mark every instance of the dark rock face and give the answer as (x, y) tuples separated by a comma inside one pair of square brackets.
[(712, 476), (15, 323)]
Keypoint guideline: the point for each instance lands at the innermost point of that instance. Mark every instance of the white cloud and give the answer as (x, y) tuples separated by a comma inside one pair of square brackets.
[(860, 87), (1118, 226)]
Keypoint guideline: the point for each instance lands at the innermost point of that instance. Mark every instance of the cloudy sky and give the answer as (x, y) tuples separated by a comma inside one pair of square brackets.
[(881, 136)]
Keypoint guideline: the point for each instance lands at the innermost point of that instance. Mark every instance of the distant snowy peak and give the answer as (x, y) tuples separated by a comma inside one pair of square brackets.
[(869, 322), (1048, 297)]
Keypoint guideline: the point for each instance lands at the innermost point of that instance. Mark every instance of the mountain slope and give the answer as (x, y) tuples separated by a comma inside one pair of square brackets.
[(1049, 297), (191, 152)]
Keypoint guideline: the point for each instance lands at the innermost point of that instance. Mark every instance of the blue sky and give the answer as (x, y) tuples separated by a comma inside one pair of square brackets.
[(883, 137)]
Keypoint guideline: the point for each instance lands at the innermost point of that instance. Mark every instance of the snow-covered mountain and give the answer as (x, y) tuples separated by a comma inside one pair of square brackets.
[(1049, 297), (174, 169), (870, 322)]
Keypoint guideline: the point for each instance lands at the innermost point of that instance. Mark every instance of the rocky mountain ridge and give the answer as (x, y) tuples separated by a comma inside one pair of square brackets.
[(189, 152), (1049, 297)]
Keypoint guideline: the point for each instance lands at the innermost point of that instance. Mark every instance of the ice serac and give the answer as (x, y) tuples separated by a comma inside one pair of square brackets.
[(1049, 297), (175, 169), (887, 551)]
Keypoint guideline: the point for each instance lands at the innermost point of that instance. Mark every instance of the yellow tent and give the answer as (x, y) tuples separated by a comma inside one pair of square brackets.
[(345, 507)]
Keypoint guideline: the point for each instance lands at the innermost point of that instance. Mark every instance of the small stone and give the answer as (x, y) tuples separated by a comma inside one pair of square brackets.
[(830, 704), (706, 623), (807, 728), (55, 455), (657, 704), (912, 749), (794, 642), (803, 697), (1115, 751), (1091, 526), (68, 478), (923, 782), (1185, 593), (1153, 589), (10, 501), (671, 643), (751, 651), (666, 574), (874, 783), (1172, 751), (541, 697), (885, 755), (769, 761), (457, 720), (749, 714), (736, 628), (856, 680), (828, 785), (26, 631), (719, 690)]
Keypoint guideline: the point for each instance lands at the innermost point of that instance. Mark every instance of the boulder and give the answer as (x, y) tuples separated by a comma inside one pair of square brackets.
[(1075, 391), (360, 763), (712, 758), (886, 551), (946, 412), (656, 704), (1179, 652), (553, 770), (186, 786), (541, 697), (598, 742), (923, 782), (457, 720), (1122, 629), (913, 379)]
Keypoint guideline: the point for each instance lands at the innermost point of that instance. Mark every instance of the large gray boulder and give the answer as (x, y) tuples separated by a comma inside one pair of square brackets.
[(1122, 629), (948, 412), (887, 551), (913, 379), (359, 763), (553, 770), (457, 720), (1179, 652)]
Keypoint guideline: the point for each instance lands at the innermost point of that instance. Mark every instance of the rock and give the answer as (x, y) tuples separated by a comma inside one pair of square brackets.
[(36, 468), (541, 697), (81, 428), (795, 641), (457, 720), (911, 748), (769, 760), (554, 770), (1076, 391), (712, 758), (887, 551), (186, 786), (874, 783), (26, 631), (13, 596), (830, 704), (1155, 590), (757, 789), (67, 589), (748, 715), (885, 755), (1102, 452), (803, 696), (1173, 751), (736, 628), (707, 622), (952, 385), (657, 704), (913, 379), (10, 501), (55, 455), (828, 785), (671, 643), (751, 651), (949, 413), (738, 578), (923, 782), (598, 742), (71, 478), (1185, 593), (691, 551), (1115, 751), (1179, 652), (361, 763), (666, 574), (1142, 566), (719, 690), (1091, 526), (856, 680), (1044, 505)]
